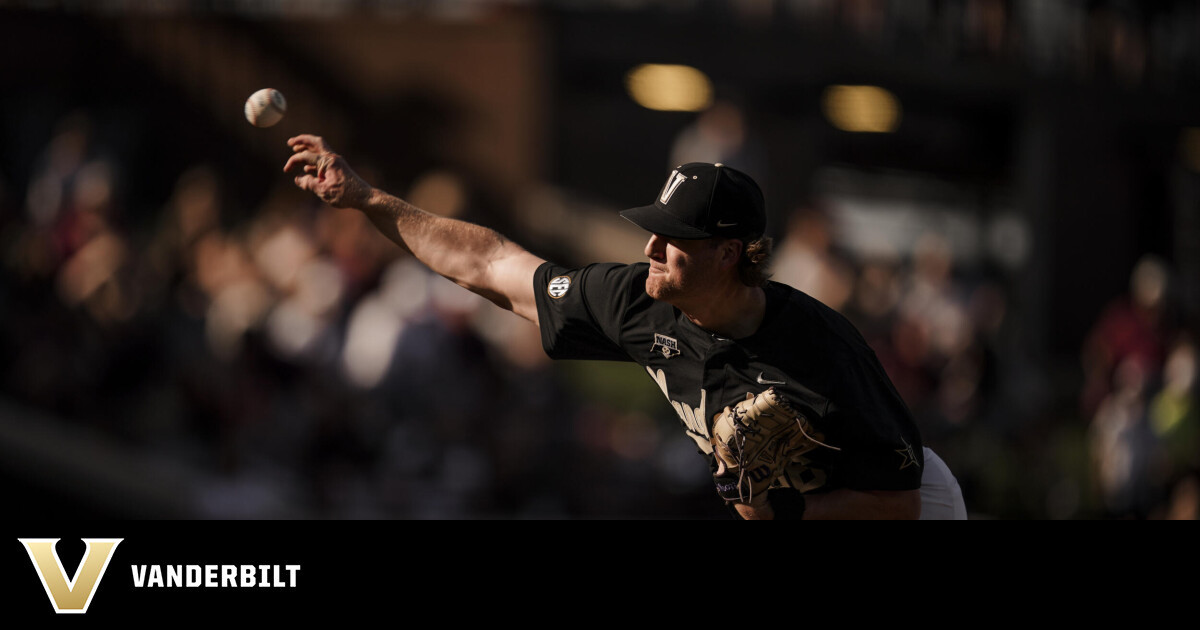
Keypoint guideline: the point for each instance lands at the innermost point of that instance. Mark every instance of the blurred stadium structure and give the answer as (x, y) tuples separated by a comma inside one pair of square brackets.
[(1003, 194)]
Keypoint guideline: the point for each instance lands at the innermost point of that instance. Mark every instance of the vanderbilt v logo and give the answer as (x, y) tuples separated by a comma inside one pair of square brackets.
[(673, 182), (74, 595)]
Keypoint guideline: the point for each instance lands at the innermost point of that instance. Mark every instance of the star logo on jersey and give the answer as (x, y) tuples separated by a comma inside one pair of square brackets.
[(667, 346), (909, 458)]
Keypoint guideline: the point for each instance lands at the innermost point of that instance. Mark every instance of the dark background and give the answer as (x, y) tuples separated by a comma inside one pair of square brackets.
[(156, 370)]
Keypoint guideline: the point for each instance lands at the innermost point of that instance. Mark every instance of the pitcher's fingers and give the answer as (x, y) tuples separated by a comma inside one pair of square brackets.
[(305, 141), (305, 182), (324, 162), (303, 157)]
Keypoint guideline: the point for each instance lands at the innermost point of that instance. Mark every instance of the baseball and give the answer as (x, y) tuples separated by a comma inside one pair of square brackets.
[(265, 107)]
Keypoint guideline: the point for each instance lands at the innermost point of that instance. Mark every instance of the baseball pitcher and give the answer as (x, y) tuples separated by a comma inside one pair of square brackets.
[(781, 393)]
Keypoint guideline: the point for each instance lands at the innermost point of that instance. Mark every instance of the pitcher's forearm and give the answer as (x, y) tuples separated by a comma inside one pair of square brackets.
[(474, 257), (460, 251)]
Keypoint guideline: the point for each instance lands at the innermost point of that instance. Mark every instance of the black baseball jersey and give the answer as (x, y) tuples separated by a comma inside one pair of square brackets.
[(804, 349)]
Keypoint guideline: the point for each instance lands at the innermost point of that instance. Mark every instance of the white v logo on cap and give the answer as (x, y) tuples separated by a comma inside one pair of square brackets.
[(673, 182)]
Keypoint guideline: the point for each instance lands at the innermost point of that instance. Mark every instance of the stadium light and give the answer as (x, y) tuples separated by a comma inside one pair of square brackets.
[(861, 108), (665, 87)]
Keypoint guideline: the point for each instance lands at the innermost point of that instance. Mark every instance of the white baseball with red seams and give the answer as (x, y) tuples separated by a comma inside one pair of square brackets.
[(265, 107)]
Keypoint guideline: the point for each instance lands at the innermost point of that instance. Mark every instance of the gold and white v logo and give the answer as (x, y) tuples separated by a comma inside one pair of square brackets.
[(73, 595)]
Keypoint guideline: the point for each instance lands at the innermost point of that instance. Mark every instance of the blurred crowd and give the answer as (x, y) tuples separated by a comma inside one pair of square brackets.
[(942, 331), (1139, 394), (303, 366)]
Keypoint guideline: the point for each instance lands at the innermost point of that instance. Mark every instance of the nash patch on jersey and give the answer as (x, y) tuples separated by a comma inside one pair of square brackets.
[(558, 287), (667, 346)]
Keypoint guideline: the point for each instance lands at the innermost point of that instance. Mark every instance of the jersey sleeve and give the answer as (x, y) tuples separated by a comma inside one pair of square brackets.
[(581, 311), (881, 443)]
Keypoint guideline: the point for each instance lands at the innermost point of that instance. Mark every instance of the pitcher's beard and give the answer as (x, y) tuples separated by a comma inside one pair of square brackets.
[(660, 288)]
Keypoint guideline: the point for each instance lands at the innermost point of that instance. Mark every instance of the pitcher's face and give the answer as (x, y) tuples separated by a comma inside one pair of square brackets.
[(681, 268)]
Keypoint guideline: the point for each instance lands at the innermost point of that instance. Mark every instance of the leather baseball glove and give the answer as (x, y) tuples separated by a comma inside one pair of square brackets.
[(753, 442)]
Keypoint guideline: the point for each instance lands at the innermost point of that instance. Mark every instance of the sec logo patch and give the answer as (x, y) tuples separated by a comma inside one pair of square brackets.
[(558, 287)]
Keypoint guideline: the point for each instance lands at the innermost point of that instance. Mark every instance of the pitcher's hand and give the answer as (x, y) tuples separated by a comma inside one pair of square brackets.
[(325, 173)]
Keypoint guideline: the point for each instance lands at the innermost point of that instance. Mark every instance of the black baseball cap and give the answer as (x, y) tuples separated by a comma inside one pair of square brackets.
[(703, 200)]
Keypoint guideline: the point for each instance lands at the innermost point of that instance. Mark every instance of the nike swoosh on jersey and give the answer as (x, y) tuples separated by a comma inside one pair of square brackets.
[(723, 224), (763, 381)]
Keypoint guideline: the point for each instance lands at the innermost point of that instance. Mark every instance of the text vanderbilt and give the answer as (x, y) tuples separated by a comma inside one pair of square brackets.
[(215, 575)]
